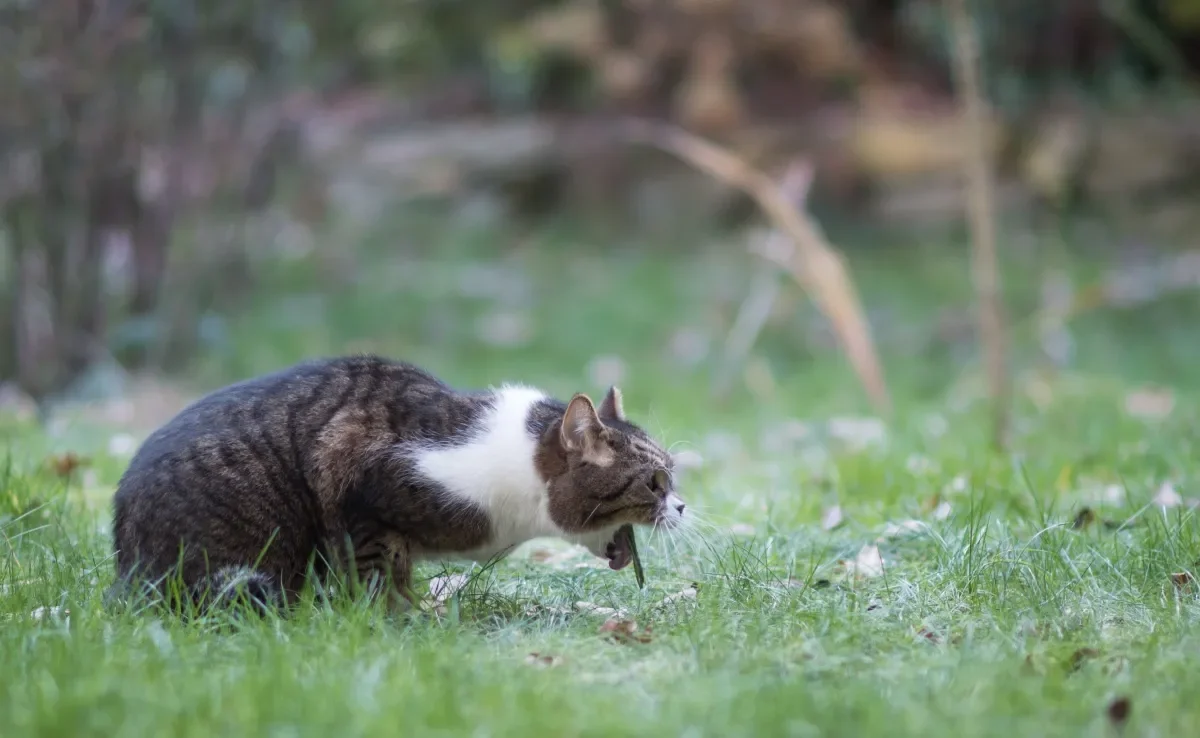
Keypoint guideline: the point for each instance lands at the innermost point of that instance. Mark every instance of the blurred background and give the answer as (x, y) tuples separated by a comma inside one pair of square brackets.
[(193, 193)]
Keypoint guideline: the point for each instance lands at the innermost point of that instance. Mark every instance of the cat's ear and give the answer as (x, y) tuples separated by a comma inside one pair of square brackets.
[(583, 432), (610, 406)]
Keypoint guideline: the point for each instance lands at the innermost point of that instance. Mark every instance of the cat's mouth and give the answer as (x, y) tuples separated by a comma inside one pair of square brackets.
[(619, 552)]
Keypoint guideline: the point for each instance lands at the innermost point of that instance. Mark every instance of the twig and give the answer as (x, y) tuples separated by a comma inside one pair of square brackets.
[(764, 287), (810, 260), (981, 217)]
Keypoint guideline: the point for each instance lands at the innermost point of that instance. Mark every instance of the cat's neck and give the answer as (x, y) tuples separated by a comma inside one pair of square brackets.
[(493, 466)]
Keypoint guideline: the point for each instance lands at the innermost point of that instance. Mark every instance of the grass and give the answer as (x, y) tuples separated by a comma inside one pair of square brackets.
[(997, 619)]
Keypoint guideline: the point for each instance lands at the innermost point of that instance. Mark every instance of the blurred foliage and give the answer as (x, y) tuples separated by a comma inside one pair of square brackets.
[(122, 119)]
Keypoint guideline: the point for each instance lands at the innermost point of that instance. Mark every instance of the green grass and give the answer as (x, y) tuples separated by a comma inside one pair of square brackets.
[(999, 619)]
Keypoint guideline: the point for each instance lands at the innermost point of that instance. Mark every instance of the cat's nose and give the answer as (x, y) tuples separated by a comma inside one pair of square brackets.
[(679, 508)]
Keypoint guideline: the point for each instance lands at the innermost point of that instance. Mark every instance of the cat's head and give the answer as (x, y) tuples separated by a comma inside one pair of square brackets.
[(604, 471)]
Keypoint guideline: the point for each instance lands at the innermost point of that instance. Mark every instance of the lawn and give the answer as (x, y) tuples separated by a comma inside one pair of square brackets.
[(845, 576)]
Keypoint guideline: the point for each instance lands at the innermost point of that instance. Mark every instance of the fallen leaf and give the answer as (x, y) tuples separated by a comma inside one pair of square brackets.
[(1166, 496), (1181, 579), (1083, 518), (942, 511), (858, 433), (920, 465), (1150, 403), (891, 530), (625, 631), (559, 559), (929, 635), (594, 609), (868, 563), (444, 587), (686, 594), (542, 660), (66, 464), (832, 518), (1118, 711)]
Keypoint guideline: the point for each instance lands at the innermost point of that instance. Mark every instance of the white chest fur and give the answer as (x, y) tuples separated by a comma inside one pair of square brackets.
[(494, 469)]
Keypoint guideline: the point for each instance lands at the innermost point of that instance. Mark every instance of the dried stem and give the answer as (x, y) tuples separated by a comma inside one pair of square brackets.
[(981, 217), (764, 289), (809, 259)]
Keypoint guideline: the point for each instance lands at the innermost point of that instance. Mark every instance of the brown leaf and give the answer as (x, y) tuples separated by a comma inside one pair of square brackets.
[(625, 631), (813, 262), (1084, 518), (1118, 711), (929, 635), (1181, 579), (67, 464), (542, 660)]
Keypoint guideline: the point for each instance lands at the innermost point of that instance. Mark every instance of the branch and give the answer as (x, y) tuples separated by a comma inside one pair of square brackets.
[(981, 218), (811, 261)]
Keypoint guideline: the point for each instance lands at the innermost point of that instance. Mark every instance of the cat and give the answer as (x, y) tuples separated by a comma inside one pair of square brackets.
[(364, 465)]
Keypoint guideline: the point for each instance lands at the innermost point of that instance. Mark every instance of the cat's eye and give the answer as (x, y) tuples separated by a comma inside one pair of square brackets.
[(659, 481)]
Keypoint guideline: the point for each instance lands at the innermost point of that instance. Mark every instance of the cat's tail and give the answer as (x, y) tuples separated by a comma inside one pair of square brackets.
[(239, 584), (224, 589)]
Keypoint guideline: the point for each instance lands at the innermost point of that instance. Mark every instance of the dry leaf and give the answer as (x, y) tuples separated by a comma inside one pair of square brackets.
[(685, 594), (66, 464), (892, 530), (1118, 711), (542, 660), (444, 587), (1181, 579), (868, 563), (857, 433), (1150, 403), (929, 635), (625, 631), (813, 262), (558, 559), (942, 511), (832, 518), (1167, 496), (594, 609)]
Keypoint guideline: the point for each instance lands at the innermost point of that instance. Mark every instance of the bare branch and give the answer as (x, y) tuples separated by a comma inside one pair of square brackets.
[(811, 261), (981, 218)]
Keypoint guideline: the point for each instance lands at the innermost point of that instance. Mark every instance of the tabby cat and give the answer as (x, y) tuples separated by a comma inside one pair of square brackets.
[(363, 465)]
